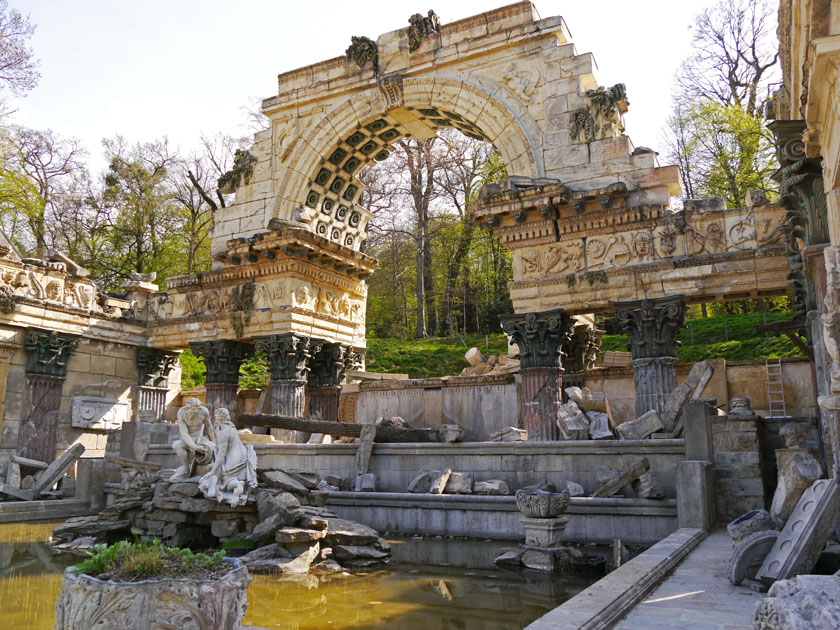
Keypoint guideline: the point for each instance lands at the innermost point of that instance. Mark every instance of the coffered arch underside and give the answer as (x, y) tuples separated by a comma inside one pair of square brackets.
[(477, 107)]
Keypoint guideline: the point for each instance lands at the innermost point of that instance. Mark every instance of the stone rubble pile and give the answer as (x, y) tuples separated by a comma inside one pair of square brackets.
[(492, 365), (284, 519)]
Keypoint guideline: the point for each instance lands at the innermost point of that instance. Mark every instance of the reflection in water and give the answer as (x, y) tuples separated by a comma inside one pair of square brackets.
[(430, 585)]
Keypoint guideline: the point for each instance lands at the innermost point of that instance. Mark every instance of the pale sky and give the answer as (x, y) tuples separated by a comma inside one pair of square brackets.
[(149, 68)]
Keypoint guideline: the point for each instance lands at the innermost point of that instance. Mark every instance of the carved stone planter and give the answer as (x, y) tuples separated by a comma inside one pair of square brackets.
[(86, 602), (542, 504)]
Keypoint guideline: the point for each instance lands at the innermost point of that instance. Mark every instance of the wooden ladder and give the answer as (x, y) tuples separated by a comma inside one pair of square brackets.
[(775, 388)]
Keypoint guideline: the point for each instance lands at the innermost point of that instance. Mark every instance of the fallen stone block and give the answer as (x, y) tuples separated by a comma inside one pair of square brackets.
[(459, 483), (749, 554), (750, 523), (590, 401), (366, 483), (804, 536), (344, 532), (335, 480), (641, 427), (491, 487), (269, 503), (267, 529), (572, 423), (599, 426), (474, 356), (648, 486), (282, 481), (451, 433), (439, 482), (575, 489), (631, 474), (806, 602), (798, 472), (281, 564), (509, 434), (692, 387), (297, 535), (225, 528), (345, 553), (422, 483)]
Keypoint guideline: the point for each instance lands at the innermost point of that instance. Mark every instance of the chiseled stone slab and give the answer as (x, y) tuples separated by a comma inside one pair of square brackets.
[(641, 427), (799, 545)]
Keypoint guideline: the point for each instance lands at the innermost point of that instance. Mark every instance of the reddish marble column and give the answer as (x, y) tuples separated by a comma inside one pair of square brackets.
[(541, 338), (323, 402), (38, 432)]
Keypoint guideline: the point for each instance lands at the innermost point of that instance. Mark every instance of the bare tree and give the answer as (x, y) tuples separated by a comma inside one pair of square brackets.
[(735, 50), (18, 67), (49, 164)]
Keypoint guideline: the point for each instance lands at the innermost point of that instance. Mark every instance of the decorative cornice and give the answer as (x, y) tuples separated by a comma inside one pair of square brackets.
[(289, 354), (652, 325), (154, 366), (222, 358)]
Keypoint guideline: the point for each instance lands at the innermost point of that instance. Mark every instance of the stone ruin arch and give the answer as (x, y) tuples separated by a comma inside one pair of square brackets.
[(586, 214)]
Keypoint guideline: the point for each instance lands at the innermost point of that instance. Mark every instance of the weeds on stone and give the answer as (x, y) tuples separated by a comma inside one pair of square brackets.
[(132, 561)]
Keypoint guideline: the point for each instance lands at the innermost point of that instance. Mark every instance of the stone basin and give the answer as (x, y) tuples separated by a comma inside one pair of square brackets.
[(86, 602), (541, 504)]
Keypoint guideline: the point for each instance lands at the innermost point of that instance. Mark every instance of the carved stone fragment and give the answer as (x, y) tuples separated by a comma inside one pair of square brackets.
[(640, 428), (629, 475), (749, 554)]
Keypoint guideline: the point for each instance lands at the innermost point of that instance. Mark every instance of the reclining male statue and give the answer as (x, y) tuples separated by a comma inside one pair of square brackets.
[(198, 440)]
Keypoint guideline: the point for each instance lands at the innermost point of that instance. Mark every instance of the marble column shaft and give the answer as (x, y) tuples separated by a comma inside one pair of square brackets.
[(289, 354), (541, 338), (651, 327)]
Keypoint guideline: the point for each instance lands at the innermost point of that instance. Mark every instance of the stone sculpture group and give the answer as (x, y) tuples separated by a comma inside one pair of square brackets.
[(227, 467)]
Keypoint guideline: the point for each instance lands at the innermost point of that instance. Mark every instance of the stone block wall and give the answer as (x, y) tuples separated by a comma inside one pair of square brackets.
[(738, 471), (96, 369)]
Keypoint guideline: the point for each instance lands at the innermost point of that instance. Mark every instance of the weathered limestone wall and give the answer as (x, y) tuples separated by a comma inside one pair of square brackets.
[(482, 405), (739, 481)]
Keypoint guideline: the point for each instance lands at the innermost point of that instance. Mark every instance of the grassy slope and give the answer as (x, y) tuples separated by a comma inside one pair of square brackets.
[(441, 357)]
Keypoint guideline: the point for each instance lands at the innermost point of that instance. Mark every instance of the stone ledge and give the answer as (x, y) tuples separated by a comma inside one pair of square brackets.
[(571, 447), (20, 511), (577, 505), (610, 598)]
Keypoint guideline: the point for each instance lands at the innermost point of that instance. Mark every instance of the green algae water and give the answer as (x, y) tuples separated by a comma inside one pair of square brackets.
[(429, 585)]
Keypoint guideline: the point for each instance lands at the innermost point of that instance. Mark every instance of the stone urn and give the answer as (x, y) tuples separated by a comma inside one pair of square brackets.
[(86, 602), (541, 504)]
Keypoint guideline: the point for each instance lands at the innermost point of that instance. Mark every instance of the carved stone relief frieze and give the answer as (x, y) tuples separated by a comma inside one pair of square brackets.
[(99, 413)]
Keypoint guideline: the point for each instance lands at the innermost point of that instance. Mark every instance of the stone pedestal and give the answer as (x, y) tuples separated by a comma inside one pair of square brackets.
[(651, 327), (544, 532), (541, 338), (653, 380)]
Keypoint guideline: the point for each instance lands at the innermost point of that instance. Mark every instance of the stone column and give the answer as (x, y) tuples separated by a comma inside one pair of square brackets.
[(154, 367), (541, 338), (324, 383), (289, 354), (651, 327), (222, 358), (47, 353), (579, 355), (7, 351)]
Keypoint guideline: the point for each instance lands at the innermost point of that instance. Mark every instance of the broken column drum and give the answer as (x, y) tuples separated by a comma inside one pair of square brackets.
[(47, 354), (289, 356), (154, 367), (651, 327), (541, 338), (222, 358)]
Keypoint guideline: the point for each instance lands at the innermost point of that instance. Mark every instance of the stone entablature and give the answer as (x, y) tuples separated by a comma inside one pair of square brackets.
[(287, 281), (580, 250)]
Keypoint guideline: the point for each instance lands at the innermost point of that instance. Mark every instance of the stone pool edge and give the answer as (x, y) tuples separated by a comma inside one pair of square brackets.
[(610, 598)]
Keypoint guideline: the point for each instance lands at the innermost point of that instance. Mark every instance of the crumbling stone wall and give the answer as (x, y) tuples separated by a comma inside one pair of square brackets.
[(738, 476)]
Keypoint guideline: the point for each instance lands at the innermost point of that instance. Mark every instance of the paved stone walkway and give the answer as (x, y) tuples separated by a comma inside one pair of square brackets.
[(697, 595)]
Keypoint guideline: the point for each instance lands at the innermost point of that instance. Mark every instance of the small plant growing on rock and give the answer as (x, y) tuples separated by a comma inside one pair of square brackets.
[(132, 561)]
